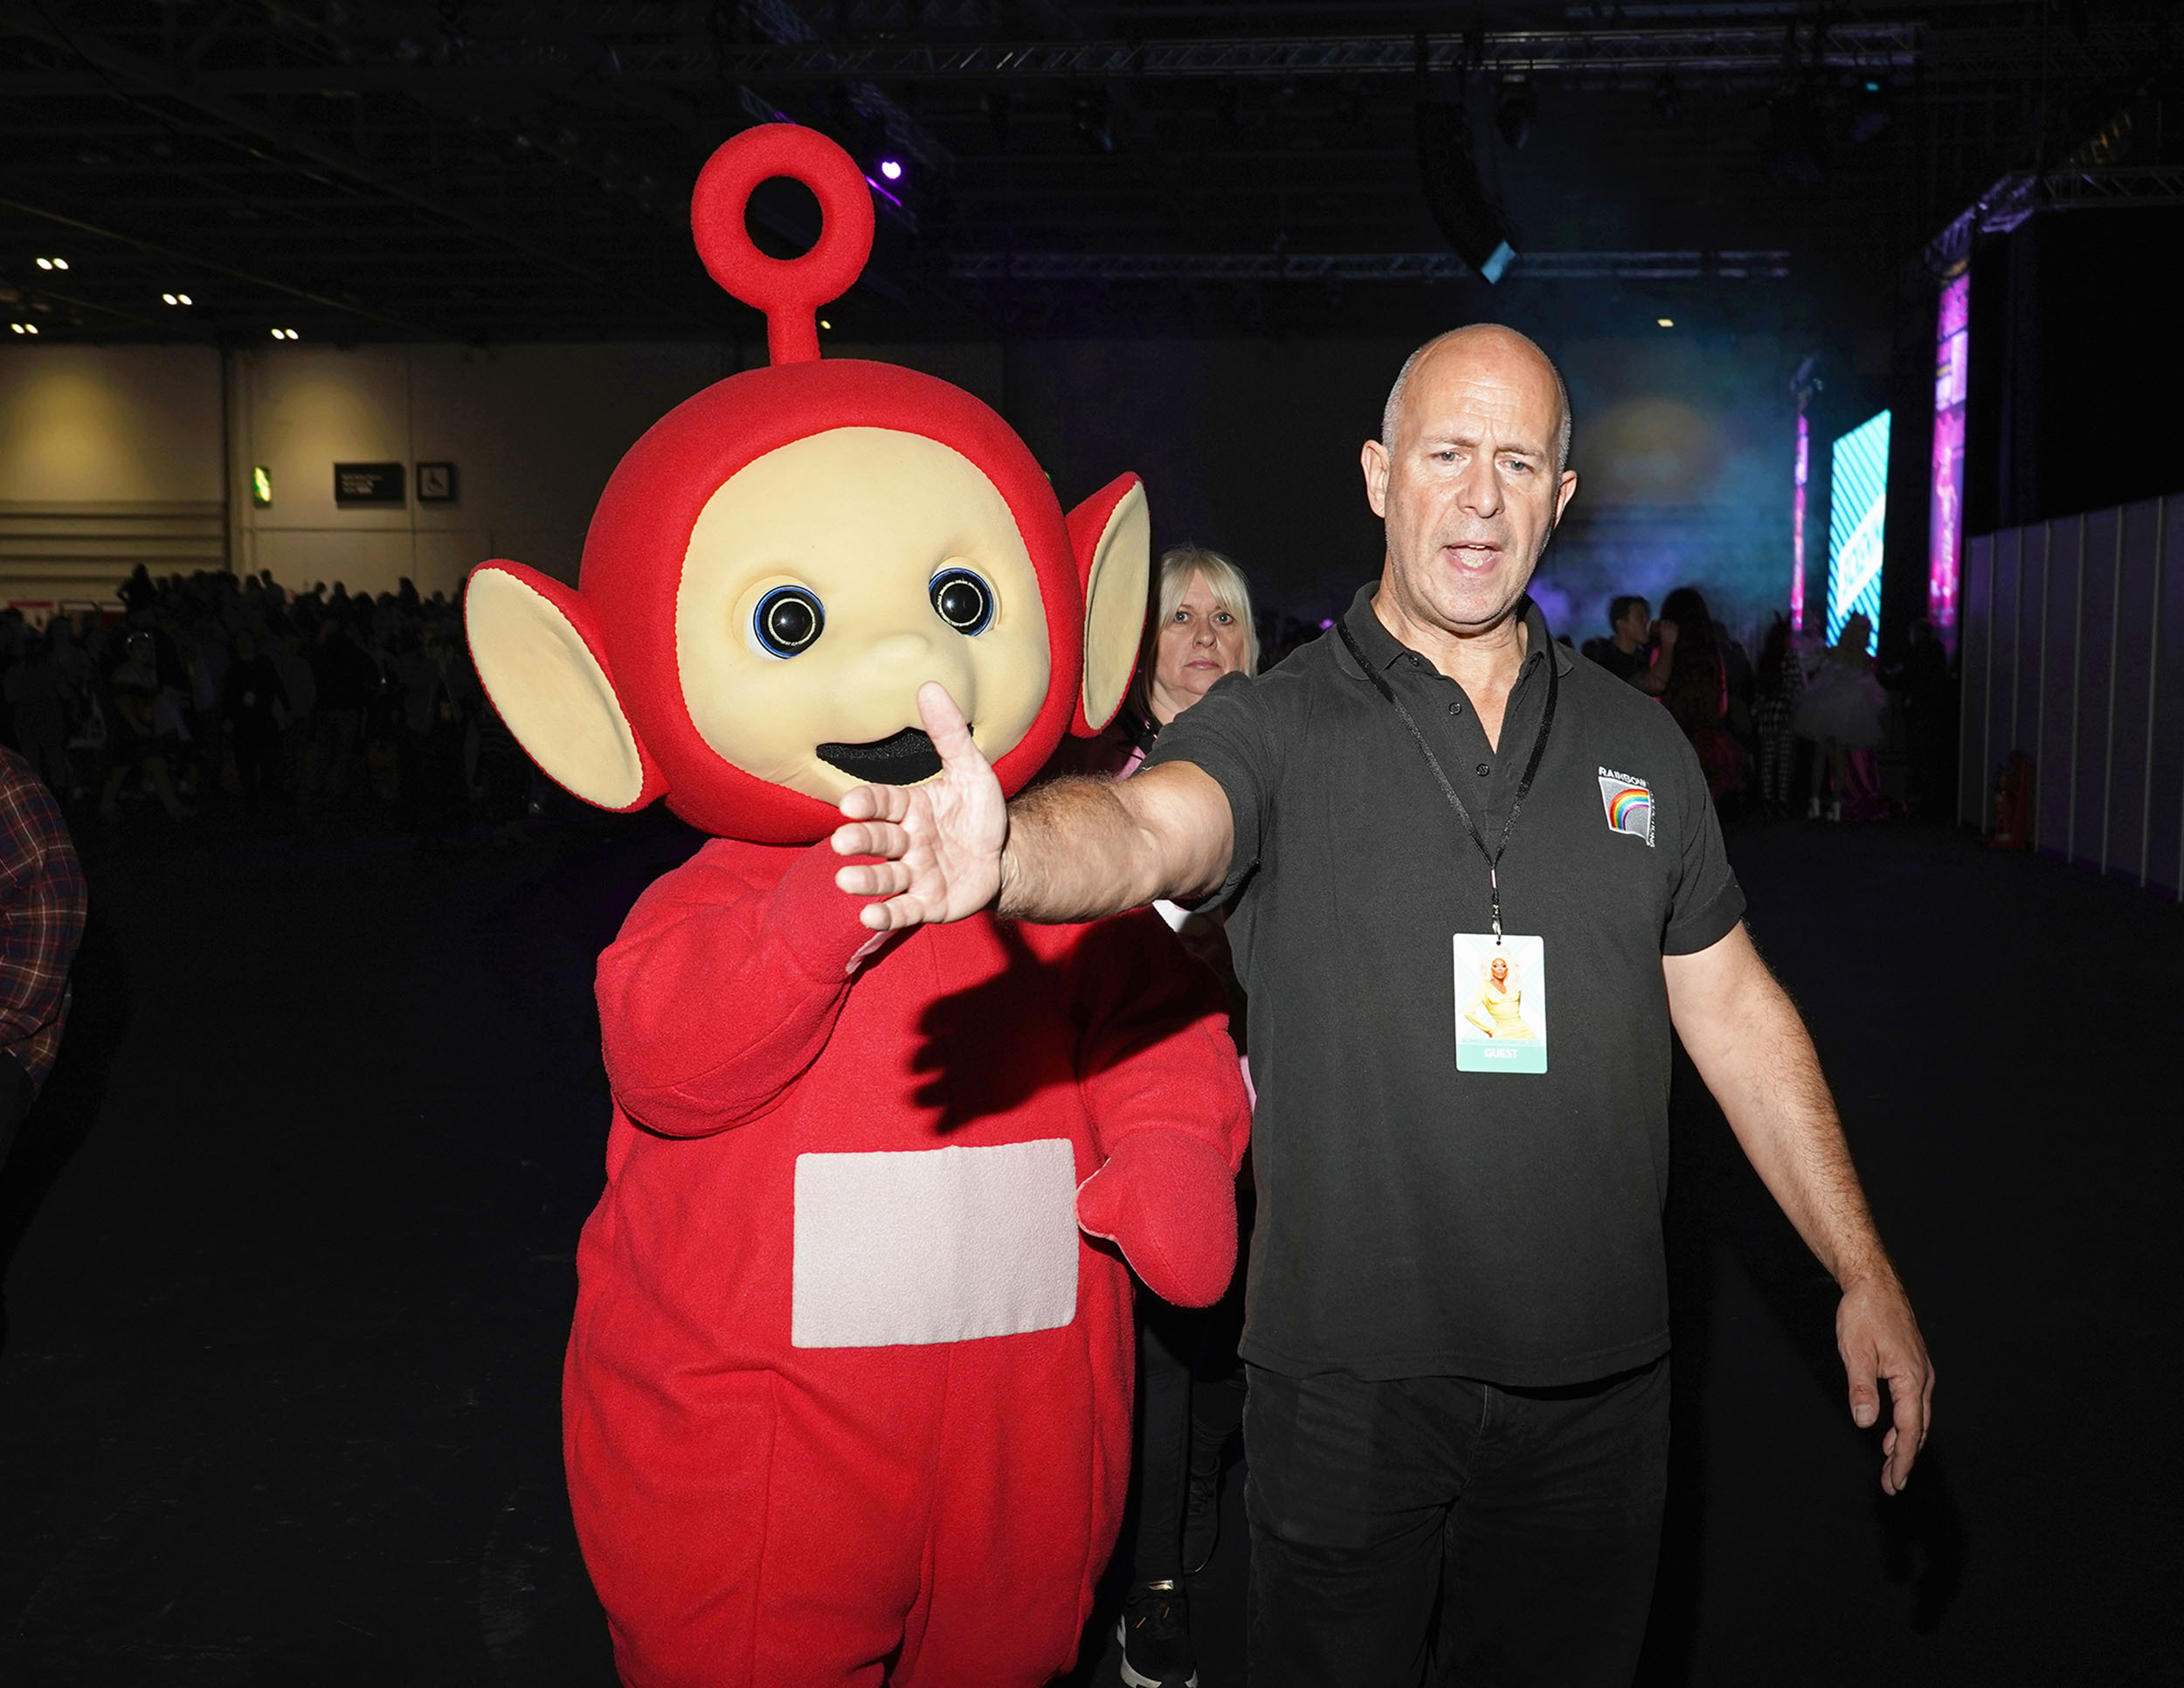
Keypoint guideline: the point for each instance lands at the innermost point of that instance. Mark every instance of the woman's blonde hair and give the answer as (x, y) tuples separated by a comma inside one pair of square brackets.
[(1171, 578)]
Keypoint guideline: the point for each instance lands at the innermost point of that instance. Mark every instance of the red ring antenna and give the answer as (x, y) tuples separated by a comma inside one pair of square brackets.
[(789, 290)]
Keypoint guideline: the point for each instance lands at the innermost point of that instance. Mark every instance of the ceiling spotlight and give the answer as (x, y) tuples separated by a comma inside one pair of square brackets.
[(284, 334), (824, 323), (1471, 222), (1515, 106), (1665, 321), (1089, 111), (1797, 137), (892, 169), (53, 263), (24, 328), (1871, 110), (175, 299)]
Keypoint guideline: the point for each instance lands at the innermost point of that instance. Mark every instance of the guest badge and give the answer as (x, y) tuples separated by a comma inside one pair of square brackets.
[(1500, 1004)]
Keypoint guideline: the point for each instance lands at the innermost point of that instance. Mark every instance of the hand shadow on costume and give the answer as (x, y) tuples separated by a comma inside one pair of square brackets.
[(969, 1074)]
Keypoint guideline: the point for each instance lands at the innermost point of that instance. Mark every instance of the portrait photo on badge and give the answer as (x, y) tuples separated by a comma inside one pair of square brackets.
[(1501, 1003)]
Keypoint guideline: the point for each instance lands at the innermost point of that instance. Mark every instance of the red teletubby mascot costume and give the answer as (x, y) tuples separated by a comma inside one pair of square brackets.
[(849, 1396)]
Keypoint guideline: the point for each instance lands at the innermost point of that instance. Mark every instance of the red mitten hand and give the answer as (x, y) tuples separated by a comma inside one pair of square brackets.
[(1169, 1202)]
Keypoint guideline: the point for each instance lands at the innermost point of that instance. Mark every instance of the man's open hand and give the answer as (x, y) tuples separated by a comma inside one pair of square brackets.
[(1879, 1341), (940, 842)]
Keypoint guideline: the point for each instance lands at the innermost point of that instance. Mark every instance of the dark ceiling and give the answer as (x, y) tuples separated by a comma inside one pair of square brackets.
[(494, 172)]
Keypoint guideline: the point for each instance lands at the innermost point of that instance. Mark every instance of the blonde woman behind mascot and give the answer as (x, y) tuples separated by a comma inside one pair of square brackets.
[(1199, 628), (1190, 1381)]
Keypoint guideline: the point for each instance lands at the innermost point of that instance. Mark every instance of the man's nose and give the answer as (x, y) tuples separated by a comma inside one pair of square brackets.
[(1479, 491)]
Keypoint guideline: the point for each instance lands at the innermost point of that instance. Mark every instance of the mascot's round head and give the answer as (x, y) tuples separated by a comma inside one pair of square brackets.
[(781, 561)]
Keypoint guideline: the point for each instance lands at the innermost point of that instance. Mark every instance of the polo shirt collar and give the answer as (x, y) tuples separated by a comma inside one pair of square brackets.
[(1383, 650)]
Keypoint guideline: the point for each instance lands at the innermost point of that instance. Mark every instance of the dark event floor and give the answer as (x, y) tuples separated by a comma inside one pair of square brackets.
[(292, 1234)]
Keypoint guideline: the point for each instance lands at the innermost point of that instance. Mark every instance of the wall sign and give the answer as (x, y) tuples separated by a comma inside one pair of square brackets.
[(368, 483), (436, 484)]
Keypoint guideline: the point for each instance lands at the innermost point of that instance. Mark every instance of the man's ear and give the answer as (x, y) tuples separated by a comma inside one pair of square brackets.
[(1373, 457), (1112, 534), (539, 654)]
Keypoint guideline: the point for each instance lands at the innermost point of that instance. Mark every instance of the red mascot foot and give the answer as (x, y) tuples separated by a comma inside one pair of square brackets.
[(1169, 1202)]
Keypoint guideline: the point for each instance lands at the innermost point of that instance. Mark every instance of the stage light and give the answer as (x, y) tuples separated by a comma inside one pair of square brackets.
[(892, 169), (1471, 222), (1667, 99), (24, 328), (261, 487), (53, 263), (1870, 111), (1665, 321), (824, 323), (1090, 109), (175, 299), (1515, 106), (286, 333), (1797, 137)]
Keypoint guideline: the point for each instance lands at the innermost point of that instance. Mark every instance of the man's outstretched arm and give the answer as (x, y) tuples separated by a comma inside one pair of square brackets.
[(1073, 850), (1750, 1045)]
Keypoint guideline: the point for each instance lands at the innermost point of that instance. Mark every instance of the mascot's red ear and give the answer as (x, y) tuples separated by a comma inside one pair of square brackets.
[(789, 290), (538, 651), (1111, 535)]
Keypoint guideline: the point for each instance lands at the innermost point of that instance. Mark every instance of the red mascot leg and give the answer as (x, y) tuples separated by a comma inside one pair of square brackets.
[(742, 1533), (1035, 1457)]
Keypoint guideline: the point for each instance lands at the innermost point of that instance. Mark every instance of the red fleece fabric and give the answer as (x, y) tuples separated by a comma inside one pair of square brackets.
[(757, 1514)]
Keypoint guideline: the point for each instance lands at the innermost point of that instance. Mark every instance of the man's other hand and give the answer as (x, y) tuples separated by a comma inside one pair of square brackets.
[(939, 842), (1879, 1341)]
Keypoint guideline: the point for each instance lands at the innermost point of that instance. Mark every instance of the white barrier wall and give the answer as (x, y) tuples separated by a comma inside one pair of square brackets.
[(2072, 644)]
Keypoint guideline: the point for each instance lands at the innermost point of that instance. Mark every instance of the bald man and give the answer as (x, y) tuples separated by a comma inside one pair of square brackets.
[(1457, 1323)]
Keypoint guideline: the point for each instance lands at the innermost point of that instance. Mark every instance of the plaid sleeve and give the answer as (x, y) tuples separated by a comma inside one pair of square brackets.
[(41, 902)]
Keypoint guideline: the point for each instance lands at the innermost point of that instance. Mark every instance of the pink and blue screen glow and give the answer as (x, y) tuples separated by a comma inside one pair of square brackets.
[(1945, 525), (1858, 526), (1797, 522)]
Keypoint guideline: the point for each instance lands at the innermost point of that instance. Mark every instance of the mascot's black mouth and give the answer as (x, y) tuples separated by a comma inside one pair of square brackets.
[(903, 759)]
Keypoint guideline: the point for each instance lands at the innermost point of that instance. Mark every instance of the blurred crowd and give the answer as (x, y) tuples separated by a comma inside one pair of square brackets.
[(1806, 725), (215, 688)]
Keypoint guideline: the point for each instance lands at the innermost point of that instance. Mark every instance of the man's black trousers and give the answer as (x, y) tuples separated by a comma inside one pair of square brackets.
[(1444, 1530)]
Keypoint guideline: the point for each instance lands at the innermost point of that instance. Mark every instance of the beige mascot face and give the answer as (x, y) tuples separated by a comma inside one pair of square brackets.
[(780, 562), (828, 580)]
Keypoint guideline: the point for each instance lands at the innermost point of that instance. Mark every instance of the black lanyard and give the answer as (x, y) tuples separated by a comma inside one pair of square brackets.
[(1524, 786)]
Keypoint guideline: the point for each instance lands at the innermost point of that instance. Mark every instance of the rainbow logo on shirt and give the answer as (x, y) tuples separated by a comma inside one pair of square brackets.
[(1629, 805)]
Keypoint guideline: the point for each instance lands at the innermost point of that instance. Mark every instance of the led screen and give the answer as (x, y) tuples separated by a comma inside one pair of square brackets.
[(1857, 518), (1797, 521), (1944, 526)]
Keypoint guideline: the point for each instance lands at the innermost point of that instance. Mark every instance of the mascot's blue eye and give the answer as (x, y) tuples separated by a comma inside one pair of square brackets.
[(963, 601), (788, 621)]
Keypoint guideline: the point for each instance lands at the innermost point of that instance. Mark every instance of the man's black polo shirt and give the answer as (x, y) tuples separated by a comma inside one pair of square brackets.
[(1415, 1219)]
